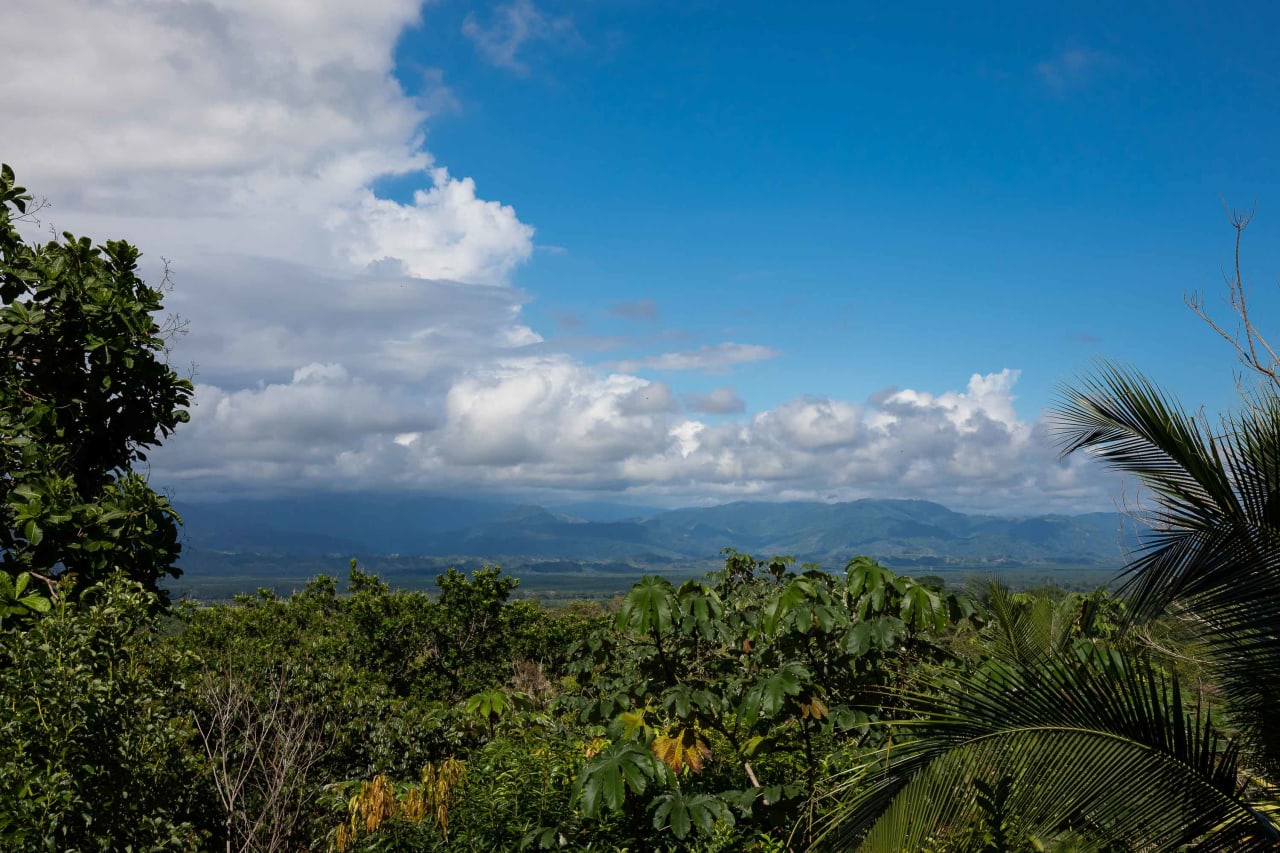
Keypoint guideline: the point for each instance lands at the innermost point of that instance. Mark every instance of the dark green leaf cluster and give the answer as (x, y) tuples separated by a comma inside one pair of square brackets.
[(85, 392), (94, 752)]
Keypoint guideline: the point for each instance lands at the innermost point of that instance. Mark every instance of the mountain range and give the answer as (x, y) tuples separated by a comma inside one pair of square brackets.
[(902, 532)]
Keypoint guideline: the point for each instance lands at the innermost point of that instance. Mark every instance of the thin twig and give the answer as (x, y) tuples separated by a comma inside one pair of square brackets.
[(1251, 346)]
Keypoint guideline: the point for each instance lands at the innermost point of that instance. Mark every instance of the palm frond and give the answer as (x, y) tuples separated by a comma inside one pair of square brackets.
[(1095, 743), (1213, 553), (1026, 632), (1127, 422)]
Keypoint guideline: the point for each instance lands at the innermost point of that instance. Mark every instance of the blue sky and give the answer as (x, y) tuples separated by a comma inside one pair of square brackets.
[(653, 251), (887, 193)]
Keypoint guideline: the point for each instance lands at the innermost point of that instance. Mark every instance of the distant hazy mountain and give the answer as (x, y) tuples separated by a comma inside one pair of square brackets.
[(917, 531), (605, 511), (325, 524), (905, 532)]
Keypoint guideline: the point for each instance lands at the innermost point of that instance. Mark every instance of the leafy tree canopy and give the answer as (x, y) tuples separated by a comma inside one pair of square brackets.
[(85, 391)]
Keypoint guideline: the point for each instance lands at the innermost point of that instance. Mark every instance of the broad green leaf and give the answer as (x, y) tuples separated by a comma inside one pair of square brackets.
[(486, 704), (619, 768), (921, 608), (876, 634), (700, 607), (683, 812), (778, 686), (794, 595), (630, 724), (649, 607)]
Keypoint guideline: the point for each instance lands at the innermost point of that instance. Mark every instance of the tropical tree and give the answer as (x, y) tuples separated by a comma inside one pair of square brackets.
[(1103, 742), (726, 697), (1027, 628), (84, 392)]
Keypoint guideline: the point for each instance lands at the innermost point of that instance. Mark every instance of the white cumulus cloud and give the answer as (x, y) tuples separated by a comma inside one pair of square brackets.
[(446, 233), (550, 423), (254, 128)]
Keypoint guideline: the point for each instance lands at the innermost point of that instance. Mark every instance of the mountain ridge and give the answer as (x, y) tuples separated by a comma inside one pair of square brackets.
[(911, 531)]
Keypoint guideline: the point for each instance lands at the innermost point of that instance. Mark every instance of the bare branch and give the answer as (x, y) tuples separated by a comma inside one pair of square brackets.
[(261, 746), (174, 325), (30, 215), (1251, 346), (52, 583)]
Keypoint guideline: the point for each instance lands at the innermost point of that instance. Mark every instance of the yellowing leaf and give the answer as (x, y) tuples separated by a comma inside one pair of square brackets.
[(592, 747), (813, 708), (682, 749), (632, 722)]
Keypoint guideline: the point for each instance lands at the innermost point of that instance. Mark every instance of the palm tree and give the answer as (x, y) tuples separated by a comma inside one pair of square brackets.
[(1098, 741), (1028, 628)]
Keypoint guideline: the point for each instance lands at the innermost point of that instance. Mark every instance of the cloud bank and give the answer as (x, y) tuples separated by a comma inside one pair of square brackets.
[(551, 424)]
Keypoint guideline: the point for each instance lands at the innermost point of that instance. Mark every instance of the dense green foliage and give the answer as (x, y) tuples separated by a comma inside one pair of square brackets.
[(705, 717), (94, 751), (702, 717)]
